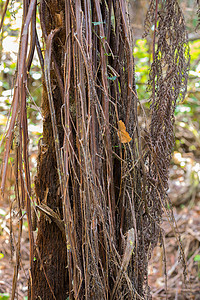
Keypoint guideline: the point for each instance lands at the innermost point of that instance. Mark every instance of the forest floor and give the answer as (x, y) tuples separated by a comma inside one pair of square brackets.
[(184, 194)]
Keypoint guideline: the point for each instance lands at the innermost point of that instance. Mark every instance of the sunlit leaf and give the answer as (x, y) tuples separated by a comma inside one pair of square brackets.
[(124, 136)]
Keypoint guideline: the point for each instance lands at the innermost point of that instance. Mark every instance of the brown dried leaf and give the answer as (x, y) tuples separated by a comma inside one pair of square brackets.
[(124, 136)]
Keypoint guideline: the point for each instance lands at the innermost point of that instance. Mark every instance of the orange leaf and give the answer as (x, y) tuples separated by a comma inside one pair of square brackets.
[(124, 137)]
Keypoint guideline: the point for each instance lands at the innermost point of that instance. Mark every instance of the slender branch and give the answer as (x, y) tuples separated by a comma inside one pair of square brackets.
[(4, 13), (21, 65)]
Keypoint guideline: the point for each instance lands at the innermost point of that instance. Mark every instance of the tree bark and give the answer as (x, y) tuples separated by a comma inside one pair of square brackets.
[(50, 279)]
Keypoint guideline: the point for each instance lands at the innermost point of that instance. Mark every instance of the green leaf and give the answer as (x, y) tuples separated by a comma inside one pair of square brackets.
[(197, 257), (107, 54), (25, 224), (112, 78), (1, 255), (168, 206), (97, 23)]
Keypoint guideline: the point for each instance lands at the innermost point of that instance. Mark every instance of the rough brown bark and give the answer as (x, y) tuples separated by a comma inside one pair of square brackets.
[(50, 264), (109, 187)]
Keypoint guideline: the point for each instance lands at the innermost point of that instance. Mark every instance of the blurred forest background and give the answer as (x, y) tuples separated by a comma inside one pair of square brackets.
[(185, 166)]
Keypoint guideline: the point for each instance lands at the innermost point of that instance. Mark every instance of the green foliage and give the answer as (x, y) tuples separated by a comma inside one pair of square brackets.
[(142, 65), (194, 51), (197, 258), (4, 296)]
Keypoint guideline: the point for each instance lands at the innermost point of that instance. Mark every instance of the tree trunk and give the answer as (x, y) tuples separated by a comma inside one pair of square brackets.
[(100, 194), (50, 279)]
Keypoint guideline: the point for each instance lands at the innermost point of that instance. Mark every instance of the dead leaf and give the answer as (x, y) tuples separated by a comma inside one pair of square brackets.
[(124, 137)]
